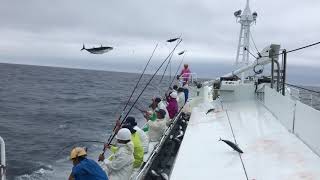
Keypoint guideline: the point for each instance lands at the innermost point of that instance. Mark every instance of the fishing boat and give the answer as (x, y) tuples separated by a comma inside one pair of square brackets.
[(242, 125), (270, 133)]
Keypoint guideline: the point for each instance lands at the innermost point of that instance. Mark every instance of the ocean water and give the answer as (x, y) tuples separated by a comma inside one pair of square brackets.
[(44, 109)]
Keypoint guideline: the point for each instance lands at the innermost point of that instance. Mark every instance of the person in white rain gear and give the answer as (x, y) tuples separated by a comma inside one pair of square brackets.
[(119, 165), (157, 127), (143, 136), (181, 98), (162, 105)]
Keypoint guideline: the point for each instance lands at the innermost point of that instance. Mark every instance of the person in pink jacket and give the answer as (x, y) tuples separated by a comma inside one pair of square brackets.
[(172, 106), (185, 73)]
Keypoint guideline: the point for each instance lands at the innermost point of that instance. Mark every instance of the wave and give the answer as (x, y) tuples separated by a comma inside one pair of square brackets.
[(40, 174)]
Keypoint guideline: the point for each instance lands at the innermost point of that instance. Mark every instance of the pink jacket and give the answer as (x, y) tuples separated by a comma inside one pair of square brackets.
[(172, 107), (185, 73)]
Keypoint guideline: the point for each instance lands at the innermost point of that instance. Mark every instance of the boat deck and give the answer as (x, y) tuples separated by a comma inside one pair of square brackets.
[(270, 151)]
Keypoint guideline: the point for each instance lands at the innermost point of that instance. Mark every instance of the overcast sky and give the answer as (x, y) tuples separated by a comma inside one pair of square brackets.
[(51, 32)]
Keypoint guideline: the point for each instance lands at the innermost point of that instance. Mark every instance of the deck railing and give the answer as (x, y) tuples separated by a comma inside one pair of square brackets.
[(3, 160)]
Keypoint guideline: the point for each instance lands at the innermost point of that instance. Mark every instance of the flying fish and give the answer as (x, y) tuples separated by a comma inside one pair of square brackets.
[(98, 50)]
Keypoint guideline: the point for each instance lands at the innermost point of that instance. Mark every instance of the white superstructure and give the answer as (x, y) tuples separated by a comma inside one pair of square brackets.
[(277, 133), (246, 19)]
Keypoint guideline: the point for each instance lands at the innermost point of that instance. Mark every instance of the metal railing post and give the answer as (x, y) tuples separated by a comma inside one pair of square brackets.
[(284, 72), (3, 159)]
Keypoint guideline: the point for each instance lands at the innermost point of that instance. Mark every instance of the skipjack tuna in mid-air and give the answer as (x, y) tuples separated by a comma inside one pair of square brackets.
[(98, 50)]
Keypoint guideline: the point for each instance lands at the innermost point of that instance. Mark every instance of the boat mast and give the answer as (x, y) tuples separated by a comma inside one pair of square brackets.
[(246, 19)]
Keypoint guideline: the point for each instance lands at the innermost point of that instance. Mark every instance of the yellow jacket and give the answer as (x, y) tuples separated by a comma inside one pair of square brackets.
[(138, 151)]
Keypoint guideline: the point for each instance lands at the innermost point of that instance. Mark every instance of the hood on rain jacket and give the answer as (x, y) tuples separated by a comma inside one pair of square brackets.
[(121, 164)]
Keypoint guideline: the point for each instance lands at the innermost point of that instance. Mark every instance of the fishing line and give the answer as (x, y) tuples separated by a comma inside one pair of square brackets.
[(114, 134), (77, 142), (235, 140), (164, 72), (134, 89), (174, 77)]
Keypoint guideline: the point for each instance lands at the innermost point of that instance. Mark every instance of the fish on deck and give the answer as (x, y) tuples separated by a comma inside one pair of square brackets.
[(98, 50)]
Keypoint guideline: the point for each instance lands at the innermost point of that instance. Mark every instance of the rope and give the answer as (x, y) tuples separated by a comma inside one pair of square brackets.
[(250, 53), (254, 43), (297, 49), (307, 46)]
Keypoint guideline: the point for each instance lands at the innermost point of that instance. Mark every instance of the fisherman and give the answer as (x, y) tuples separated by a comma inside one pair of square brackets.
[(137, 146), (150, 114), (157, 127), (120, 164), (185, 73), (172, 106), (83, 168), (162, 105), (181, 97), (175, 88), (143, 136)]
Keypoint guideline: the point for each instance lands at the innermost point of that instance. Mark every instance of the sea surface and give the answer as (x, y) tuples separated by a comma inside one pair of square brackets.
[(45, 111)]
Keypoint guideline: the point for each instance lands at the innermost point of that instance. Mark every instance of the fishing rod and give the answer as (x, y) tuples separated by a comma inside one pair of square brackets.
[(170, 41), (114, 134), (77, 142), (164, 72), (180, 53), (134, 89)]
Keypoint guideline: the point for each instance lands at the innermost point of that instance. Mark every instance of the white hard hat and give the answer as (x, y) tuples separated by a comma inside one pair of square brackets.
[(77, 152), (124, 134), (174, 95)]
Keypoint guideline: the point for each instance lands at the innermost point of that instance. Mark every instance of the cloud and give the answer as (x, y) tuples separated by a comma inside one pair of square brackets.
[(52, 32)]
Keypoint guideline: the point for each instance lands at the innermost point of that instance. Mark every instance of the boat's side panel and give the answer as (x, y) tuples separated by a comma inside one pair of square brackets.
[(270, 151), (307, 126), (281, 106)]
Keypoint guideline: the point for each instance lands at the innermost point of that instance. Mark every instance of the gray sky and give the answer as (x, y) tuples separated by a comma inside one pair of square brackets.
[(51, 33)]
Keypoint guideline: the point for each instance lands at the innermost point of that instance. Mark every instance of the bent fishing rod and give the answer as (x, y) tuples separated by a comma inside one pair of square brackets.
[(164, 72), (136, 86), (114, 134), (77, 142)]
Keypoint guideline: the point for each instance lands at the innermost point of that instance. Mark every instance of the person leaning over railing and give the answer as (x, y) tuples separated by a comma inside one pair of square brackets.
[(143, 136), (120, 164), (172, 106), (83, 168), (137, 146), (181, 97), (157, 127), (185, 73)]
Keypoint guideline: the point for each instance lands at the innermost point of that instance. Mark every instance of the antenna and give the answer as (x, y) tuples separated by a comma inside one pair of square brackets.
[(246, 19)]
